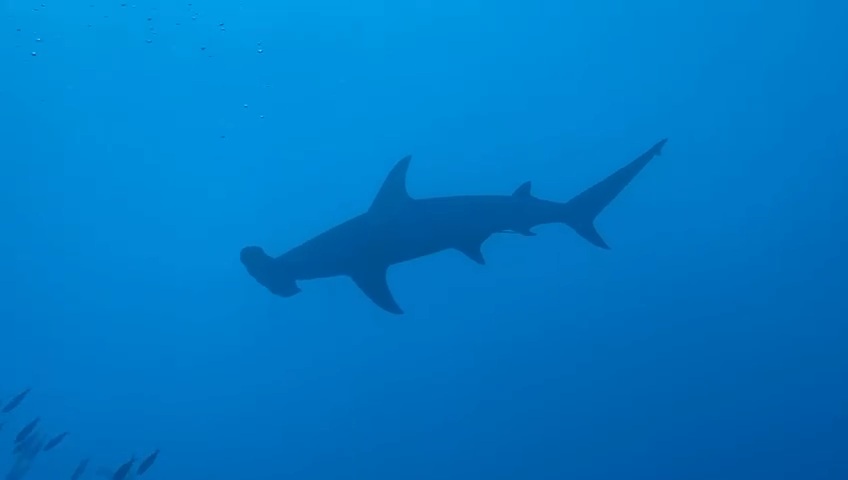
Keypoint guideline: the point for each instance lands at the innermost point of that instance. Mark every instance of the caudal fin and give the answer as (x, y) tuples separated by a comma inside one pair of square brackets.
[(582, 210)]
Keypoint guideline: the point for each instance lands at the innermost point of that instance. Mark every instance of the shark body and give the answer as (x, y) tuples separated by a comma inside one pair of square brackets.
[(398, 228)]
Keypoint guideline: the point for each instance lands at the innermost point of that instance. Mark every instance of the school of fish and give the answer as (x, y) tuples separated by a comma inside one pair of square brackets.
[(29, 443)]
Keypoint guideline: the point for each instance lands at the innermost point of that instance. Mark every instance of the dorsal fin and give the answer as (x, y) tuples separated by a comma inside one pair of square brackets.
[(393, 190), (523, 190)]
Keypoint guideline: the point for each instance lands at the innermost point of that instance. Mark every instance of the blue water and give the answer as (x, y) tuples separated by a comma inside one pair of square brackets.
[(142, 148)]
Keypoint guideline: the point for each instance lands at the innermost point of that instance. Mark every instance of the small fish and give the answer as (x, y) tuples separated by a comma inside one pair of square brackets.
[(29, 446), (15, 401), (28, 428), (80, 469), (55, 441), (147, 462), (123, 470)]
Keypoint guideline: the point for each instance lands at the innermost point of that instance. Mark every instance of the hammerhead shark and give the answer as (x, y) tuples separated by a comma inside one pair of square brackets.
[(398, 228)]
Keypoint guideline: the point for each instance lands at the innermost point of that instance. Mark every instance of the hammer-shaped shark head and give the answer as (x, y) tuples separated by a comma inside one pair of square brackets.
[(268, 272)]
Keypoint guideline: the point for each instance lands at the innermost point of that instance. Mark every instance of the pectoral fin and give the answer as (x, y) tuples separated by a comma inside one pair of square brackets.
[(373, 284)]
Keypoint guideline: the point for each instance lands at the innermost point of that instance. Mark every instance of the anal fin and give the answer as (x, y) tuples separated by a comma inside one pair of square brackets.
[(374, 285)]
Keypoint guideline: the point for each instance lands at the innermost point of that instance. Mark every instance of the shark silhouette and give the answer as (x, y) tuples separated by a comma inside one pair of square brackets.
[(397, 228)]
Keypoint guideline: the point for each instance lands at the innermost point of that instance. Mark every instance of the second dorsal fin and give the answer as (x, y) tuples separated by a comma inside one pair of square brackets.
[(523, 190)]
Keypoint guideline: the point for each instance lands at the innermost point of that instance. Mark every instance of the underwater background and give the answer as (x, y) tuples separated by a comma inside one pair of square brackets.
[(145, 143)]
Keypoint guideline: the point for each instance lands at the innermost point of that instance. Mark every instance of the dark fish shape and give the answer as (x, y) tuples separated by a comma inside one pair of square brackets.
[(55, 441), (15, 401), (123, 470), (80, 469), (147, 462), (28, 428), (19, 469), (30, 446), (25, 444), (398, 228)]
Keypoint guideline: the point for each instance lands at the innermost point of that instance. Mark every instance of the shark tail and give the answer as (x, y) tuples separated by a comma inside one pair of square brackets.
[(581, 211)]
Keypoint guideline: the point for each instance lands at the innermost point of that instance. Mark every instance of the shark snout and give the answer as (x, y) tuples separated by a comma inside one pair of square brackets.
[(253, 256), (267, 272)]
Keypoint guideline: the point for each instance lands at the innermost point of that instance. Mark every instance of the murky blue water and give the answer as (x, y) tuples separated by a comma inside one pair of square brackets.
[(144, 144)]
